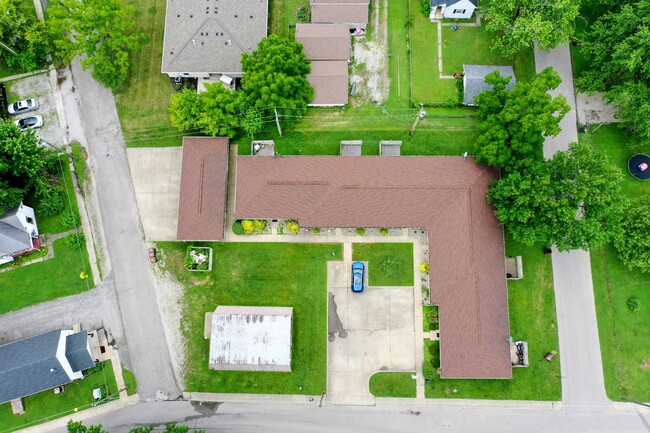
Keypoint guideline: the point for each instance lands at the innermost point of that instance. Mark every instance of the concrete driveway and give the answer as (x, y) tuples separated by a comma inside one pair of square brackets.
[(156, 175), (374, 332)]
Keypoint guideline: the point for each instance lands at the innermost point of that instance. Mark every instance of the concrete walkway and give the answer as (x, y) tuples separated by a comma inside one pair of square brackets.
[(583, 384)]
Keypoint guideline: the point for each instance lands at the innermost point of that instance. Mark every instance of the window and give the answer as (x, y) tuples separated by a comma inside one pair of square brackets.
[(459, 11)]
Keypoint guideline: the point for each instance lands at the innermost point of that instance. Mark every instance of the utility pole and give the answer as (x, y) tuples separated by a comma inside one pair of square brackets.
[(277, 121), (417, 119)]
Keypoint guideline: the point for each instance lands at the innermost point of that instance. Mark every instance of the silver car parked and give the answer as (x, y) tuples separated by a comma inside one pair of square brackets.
[(24, 106)]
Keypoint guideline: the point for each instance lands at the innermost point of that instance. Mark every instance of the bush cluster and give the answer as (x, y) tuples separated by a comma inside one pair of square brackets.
[(361, 232), (424, 267), (293, 226), (248, 226), (634, 304), (70, 220), (51, 203), (75, 240)]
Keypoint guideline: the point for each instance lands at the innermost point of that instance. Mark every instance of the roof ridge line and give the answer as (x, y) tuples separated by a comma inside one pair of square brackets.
[(184, 45)]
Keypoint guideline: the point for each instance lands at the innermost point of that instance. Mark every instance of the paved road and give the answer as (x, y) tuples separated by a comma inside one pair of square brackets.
[(580, 359), (131, 270), (256, 418)]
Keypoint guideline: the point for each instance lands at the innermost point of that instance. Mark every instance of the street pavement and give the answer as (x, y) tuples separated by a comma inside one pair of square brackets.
[(131, 270), (580, 359)]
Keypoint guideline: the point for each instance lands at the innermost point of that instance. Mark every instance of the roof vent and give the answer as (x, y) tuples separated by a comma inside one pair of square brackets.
[(235, 15), (251, 16), (191, 16), (202, 43), (178, 16), (201, 33)]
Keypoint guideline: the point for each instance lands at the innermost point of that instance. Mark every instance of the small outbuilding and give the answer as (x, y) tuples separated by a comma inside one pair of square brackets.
[(454, 9), (353, 13), (251, 338), (351, 147), (474, 80)]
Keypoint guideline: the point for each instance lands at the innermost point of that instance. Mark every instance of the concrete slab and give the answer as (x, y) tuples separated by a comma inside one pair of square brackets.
[(156, 174)]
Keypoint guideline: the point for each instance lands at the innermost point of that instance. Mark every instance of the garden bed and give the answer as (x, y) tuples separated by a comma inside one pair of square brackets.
[(198, 259)]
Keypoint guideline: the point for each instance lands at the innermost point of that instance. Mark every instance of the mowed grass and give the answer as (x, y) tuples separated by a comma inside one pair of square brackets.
[(531, 304), (393, 384), (624, 335), (427, 86), (389, 264), (144, 100), (398, 61), (44, 281), (46, 405), (471, 45), (279, 274), (282, 13)]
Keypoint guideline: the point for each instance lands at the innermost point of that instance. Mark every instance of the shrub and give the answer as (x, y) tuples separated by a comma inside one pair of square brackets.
[(424, 267), (634, 304), (51, 203), (248, 226), (70, 220), (190, 264), (293, 226), (316, 230), (303, 15), (433, 319), (238, 228), (259, 225), (425, 7), (361, 232), (383, 232), (252, 226), (75, 240)]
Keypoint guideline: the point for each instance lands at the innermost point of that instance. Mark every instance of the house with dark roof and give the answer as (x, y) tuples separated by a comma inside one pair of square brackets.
[(206, 38), (353, 13), (474, 80), (18, 233), (454, 9), (42, 362)]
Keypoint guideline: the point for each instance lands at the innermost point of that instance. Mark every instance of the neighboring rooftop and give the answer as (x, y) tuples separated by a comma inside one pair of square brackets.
[(324, 41), (445, 195), (209, 36), (330, 82), (449, 3), (474, 80), (202, 202), (14, 235), (251, 338), (352, 13)]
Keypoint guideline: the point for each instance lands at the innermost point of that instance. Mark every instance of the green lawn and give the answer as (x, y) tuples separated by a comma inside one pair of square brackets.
[(624, 335), (44, 281), (471, 45), (532, 318), (46, 405), (428, 88), (282, 13), (400, 91), (579, 61), (392, 384), (144, 100), (129, 382), (270, 274), (389, 264)]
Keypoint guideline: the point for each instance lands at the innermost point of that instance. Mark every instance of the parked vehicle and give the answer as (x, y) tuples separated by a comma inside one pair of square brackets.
[(358, 270), (31, 122), (24, 106)]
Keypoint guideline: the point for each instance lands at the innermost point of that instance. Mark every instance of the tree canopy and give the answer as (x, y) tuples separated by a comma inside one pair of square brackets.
[(572, 200), (213, 111), (633, 244), (103, 30), (512, 124), (23, 37), (518, 23), (618, 48), (275, 76)]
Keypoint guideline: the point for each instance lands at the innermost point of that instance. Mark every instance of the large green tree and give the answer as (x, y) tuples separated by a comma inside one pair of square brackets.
[(512, 124), (618, 48), (213, 112), (518, 23), (104, 30), (633, 244), (23, 40), (572, 200), (275, 77)]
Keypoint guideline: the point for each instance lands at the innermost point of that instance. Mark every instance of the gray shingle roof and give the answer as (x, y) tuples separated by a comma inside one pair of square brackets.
[(210, 35), (76, 351), (13, 237), (475, 80)]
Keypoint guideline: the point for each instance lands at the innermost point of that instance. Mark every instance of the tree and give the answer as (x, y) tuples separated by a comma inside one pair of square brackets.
[(213, 112), (618, 48), (572, 200), (633, 243), (103, 30), (22, 160), (275, 77), (24, 40), (518, 23), (78, 427), (512, 124)]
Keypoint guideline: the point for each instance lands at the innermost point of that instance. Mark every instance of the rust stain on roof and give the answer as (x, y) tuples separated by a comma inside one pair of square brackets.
[(445, 195), (204, 175)]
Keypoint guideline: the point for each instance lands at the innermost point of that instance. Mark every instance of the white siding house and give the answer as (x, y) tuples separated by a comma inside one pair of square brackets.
[(452, 9)]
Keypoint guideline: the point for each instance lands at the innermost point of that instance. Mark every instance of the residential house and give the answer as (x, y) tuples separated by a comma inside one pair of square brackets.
[(18, 233), (353, 13), (42, 362), (474, 80), (453, 9)]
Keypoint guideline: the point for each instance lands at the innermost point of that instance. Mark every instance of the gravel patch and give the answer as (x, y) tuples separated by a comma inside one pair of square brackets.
[(592, 109)]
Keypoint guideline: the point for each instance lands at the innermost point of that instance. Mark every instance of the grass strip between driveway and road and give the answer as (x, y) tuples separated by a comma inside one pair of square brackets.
[(257, 274), (393, 384), (389, 264)]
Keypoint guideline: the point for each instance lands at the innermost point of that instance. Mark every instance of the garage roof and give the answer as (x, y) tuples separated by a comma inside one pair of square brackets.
[(445, 195), (204, 176)]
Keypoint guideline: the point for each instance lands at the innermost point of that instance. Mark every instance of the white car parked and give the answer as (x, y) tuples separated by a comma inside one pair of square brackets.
[(31, 122), (24, 106)]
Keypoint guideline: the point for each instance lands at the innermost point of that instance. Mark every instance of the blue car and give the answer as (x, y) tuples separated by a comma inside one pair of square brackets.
[(357, 277)]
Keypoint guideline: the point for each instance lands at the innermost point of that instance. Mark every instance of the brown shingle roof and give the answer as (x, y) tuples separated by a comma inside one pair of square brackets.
[(330, 82), (352, 13), (204, 175), (324, 41), (445, 195)]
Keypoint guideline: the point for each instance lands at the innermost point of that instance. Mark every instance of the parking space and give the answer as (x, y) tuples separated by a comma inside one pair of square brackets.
[(38, 87), (156, 175), (376, 333)]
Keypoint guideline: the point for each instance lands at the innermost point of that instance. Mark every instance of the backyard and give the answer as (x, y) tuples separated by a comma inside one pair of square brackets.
[(389, 264), (623, 335), (532, 318), (269, 274)]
